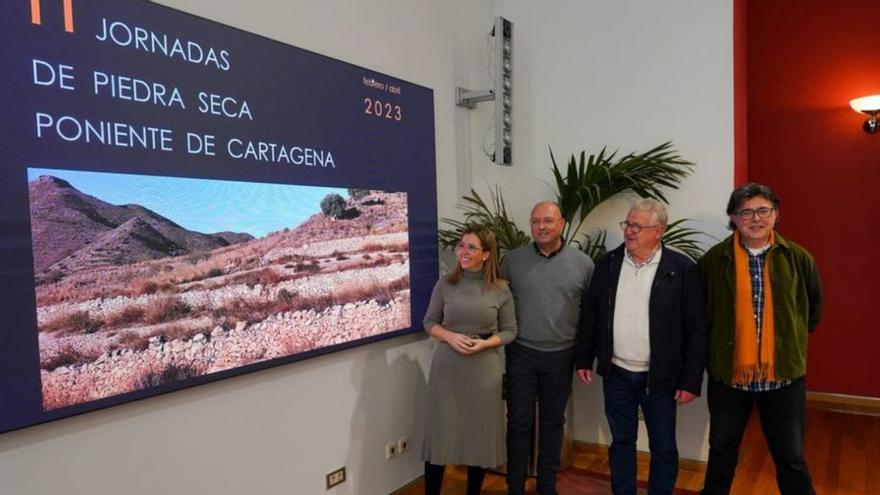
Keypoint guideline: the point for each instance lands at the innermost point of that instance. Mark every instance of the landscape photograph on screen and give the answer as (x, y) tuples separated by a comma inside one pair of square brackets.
[(143, 280)]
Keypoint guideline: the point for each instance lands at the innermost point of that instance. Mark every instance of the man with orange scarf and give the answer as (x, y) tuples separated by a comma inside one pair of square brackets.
[(764, 296)]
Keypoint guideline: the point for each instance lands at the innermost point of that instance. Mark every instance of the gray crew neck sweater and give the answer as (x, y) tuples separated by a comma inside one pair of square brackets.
[(547, 294)]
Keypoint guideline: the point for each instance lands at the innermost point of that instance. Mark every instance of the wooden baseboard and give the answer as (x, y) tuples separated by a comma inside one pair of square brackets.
[(408, 486), (853, 404), (691, 465)]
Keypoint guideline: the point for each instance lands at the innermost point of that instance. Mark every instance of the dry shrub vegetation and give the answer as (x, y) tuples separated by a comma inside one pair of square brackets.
[(130, 340), (373, 247), (166, 308), (255, 310), (176, 332), (307, 267), (171, 308), (73, 322), (165, 276), (163, 309), (169, 374), (264, 276), (126, 316), (143, 287), (173, 319), (68, 355), (63, 292)]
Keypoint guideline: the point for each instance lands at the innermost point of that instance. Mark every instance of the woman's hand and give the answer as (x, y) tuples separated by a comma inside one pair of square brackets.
[(464, 344), (460, 343), (480, 345)]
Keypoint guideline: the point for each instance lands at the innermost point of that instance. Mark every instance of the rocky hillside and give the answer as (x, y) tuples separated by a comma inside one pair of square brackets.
[(109, 328), (377, 212), (72, 231)]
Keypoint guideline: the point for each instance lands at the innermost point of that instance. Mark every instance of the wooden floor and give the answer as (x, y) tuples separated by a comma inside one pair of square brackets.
[(842, 450)]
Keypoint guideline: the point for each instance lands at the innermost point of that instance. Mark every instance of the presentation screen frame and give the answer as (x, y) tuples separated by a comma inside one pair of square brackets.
[(182, 201)]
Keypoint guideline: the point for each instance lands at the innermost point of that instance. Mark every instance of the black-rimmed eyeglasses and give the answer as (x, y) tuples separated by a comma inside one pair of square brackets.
[(749, 213)]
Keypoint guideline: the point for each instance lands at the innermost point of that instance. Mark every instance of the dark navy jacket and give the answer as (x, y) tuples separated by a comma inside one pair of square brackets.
[(677, 317)]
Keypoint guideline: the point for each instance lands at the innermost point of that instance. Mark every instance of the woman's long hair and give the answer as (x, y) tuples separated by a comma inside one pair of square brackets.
[(489, 245)]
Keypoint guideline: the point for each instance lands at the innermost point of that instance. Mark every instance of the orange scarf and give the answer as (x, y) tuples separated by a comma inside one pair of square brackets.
[(751, 364)]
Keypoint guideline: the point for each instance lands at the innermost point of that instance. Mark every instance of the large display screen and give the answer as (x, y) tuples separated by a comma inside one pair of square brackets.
[(182, 201)]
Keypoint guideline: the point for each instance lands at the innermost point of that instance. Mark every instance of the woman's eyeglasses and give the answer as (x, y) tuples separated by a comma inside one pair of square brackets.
[(469, 247)]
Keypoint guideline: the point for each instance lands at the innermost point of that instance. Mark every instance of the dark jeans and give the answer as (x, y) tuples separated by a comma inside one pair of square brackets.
[(782, 420), (625, 391), (546, 376)]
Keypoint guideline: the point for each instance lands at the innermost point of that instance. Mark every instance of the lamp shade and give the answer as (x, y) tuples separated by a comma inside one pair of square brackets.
[(866, 104)]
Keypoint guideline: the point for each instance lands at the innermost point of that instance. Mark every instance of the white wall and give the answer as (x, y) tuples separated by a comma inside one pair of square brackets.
[(627, 74)]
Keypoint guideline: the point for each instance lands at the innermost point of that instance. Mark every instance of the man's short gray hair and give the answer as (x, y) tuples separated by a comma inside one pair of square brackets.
[(654, 207)]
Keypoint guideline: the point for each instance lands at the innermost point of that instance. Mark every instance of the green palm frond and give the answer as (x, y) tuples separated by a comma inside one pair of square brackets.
[(493, 215), (594, 245), (589, 181), (684, 239)]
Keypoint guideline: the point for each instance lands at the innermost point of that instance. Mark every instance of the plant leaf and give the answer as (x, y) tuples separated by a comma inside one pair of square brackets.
[(493, 215), (589, 181), (685, 239)]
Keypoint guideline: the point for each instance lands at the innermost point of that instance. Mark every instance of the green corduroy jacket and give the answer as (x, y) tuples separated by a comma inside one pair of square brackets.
[(797, 306)]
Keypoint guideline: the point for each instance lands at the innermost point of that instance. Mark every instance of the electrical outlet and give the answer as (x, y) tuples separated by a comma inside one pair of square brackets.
[(336, 477), (390, 450), (402, 445)]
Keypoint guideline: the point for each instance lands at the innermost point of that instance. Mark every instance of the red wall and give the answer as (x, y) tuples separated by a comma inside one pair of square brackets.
[(806, 59), (740, 93)]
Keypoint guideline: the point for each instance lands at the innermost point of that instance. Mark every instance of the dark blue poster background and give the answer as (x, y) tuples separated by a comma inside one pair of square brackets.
[(310, 121)]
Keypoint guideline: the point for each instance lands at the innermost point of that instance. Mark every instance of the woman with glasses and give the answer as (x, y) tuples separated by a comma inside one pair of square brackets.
[(471, 314)]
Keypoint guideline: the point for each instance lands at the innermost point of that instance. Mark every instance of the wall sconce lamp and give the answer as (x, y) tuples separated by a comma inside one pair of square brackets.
[(868, 105)]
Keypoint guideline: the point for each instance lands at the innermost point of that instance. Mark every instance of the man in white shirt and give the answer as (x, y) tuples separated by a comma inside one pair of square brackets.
[(644, 320)]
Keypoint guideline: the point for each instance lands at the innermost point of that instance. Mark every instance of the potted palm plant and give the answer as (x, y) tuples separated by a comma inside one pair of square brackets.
[(587, 182)]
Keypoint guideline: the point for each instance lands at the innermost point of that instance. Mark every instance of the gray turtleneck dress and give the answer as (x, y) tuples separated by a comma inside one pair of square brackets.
[(465, 415)]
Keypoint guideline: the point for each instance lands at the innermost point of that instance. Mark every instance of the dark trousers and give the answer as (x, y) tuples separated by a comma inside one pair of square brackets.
[(546, 376), (434, 479), (624, 392), (782, 420)]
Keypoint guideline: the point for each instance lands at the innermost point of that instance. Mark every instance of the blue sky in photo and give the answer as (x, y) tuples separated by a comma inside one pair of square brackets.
[(203, 205)]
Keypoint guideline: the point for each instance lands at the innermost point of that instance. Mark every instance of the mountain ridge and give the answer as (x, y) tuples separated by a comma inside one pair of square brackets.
[(70, 228)]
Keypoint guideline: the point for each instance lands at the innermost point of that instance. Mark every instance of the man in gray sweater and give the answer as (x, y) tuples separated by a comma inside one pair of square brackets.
[(546, 279)]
